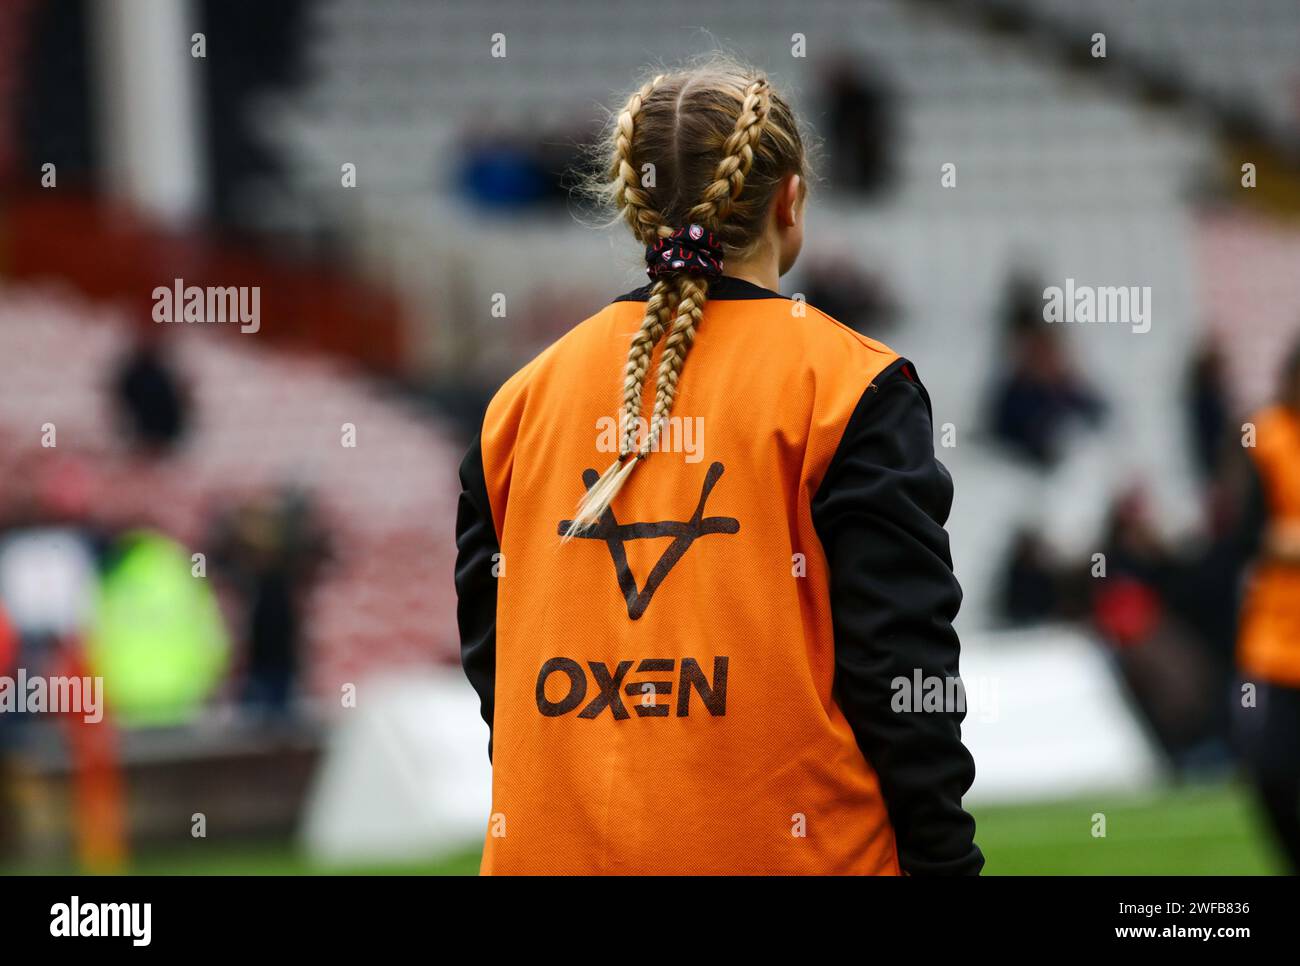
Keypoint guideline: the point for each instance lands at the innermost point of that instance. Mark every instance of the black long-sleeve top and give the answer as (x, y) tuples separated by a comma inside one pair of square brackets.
[(880, 513)]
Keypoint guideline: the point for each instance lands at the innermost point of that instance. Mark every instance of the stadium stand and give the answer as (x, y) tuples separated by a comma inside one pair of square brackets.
[(1062, 171), (1072, 162), (264, 420)]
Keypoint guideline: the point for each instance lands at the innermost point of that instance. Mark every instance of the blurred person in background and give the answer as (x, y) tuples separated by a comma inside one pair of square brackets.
[(861, 127), (272, 549), (1161, 658), (152, 404), (8, 644), (1029, 588), (512, 173), (1208, 409), (50, 555), (775, 691), (502, 173), (844, 291), (1040, 399), (158, 637), (8, 665), (1268, 650)]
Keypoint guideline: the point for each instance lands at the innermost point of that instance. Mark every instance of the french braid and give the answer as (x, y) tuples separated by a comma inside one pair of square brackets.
[(675, 303), (711, 212)]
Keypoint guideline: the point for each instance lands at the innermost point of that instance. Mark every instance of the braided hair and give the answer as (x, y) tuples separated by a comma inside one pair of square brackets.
[(720, 140)]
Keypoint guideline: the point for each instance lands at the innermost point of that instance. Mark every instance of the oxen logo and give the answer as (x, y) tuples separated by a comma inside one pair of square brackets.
[(611, 688), (683, 532)]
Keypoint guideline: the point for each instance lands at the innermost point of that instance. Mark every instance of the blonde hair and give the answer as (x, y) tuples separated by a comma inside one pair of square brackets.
[(721, 141)]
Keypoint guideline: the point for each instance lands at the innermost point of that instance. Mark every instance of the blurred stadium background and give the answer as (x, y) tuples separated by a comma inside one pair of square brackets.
[(290, 700)]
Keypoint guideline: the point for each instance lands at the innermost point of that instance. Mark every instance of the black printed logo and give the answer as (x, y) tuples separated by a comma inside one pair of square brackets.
[(683, 532), (611, 685)]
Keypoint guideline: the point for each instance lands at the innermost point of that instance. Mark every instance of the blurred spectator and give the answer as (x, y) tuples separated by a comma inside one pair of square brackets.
[(272, 549), (149, 395), (49, 562), (158, 638), (8, 665), (8, 644), (510, 173), (860, 128), (502, 174), (1029, 584), (1162, 658), (1207, 408), (1126, 604), (1040, 399), (859, 298)]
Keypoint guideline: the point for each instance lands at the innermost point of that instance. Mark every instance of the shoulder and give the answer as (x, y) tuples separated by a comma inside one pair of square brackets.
[(863, 396), (570, 352), (842, 351), (830, 329), (829, 350)]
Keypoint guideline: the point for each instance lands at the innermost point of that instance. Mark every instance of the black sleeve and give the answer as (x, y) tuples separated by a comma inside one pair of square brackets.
[(476, 584), (1252, 516), (880, 513)]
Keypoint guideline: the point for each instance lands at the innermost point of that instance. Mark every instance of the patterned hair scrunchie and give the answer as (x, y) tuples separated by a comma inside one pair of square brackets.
[(693, 250)]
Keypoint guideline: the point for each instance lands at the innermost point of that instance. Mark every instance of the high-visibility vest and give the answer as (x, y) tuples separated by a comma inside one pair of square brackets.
[(1269, 644), (158, 638), (664, 684)]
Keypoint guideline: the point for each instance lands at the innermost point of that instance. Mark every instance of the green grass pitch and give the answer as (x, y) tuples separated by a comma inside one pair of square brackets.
[(1191, 830)]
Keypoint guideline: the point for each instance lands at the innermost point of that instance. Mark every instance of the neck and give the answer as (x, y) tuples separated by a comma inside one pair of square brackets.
[(761, 271)]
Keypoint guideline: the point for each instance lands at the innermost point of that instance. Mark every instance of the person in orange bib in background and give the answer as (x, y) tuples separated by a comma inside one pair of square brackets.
[(1268, 649), (701, 556)]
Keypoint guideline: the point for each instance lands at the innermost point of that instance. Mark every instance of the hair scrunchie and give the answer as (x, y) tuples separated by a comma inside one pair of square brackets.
[(693, 250)]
